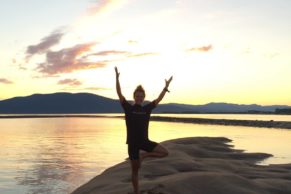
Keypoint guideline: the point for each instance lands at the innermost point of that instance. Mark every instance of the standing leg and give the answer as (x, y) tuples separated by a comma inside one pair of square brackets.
[(133, 152), (135, 164)]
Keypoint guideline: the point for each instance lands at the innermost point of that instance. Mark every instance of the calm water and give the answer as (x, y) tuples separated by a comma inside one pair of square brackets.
[(263, 117), (56, 155)]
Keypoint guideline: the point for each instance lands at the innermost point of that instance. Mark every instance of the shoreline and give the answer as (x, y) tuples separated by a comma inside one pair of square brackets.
[(196, 165), (227, 122)]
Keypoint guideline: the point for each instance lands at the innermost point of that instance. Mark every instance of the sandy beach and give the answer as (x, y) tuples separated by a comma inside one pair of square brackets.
[(197, 165)]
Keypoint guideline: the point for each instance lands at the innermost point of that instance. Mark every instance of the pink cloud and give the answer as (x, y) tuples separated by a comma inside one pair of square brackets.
[(125, 53), (201, 49), (71, 82), (45, 44), (99, 6), (68, 60), (110, 52), (104, 6), (45, 76), (5, 81)]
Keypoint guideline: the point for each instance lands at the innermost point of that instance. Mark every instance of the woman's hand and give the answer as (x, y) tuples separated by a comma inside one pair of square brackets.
[(118, 89), (117, 73), (162, 94), (168, 82)]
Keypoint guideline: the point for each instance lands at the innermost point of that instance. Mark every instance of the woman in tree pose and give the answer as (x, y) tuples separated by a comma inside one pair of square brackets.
[(137, 122)]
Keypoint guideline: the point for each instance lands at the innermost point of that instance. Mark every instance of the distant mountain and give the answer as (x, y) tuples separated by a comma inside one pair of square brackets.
[(62, 103)]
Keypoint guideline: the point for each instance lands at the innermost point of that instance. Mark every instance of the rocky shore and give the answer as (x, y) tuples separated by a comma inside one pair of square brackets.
[(249, 123), (198, 165)]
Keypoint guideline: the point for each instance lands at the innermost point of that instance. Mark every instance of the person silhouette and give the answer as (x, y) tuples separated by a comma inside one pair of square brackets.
[(137, 119)]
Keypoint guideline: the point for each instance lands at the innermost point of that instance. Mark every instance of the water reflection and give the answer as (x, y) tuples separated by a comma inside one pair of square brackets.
[(53, 167), (56, 155)]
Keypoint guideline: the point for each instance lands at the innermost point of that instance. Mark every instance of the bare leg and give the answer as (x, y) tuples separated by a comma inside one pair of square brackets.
[(135, 164), (158, 152)]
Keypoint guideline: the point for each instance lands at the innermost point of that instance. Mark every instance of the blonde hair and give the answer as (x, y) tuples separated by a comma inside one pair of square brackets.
[(139, 88)]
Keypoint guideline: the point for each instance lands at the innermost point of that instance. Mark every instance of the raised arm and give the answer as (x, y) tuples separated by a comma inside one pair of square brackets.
[(162, 94), (118, 89)]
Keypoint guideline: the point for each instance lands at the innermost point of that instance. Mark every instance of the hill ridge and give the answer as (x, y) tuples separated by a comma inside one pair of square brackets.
[(66, 102)]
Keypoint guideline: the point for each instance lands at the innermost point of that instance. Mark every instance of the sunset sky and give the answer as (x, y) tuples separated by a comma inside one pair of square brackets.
[(235, 51)]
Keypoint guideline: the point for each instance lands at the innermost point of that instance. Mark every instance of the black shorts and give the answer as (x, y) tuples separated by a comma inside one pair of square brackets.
[(133, 149)]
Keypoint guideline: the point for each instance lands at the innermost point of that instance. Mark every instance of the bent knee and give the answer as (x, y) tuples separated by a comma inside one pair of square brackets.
[(165, 153)]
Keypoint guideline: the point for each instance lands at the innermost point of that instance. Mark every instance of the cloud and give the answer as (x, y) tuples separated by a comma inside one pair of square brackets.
[(68, 60), (99, 6), (110, 52), (132, 42), (201, 49), (96, 88), (142, 54), (16, 63), (5, 81), (105, 6), (71, 82), (45, 44), (45, 76), (125, 53)]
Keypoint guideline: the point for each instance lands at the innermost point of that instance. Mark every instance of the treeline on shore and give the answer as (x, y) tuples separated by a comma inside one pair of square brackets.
[(286, 111)]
